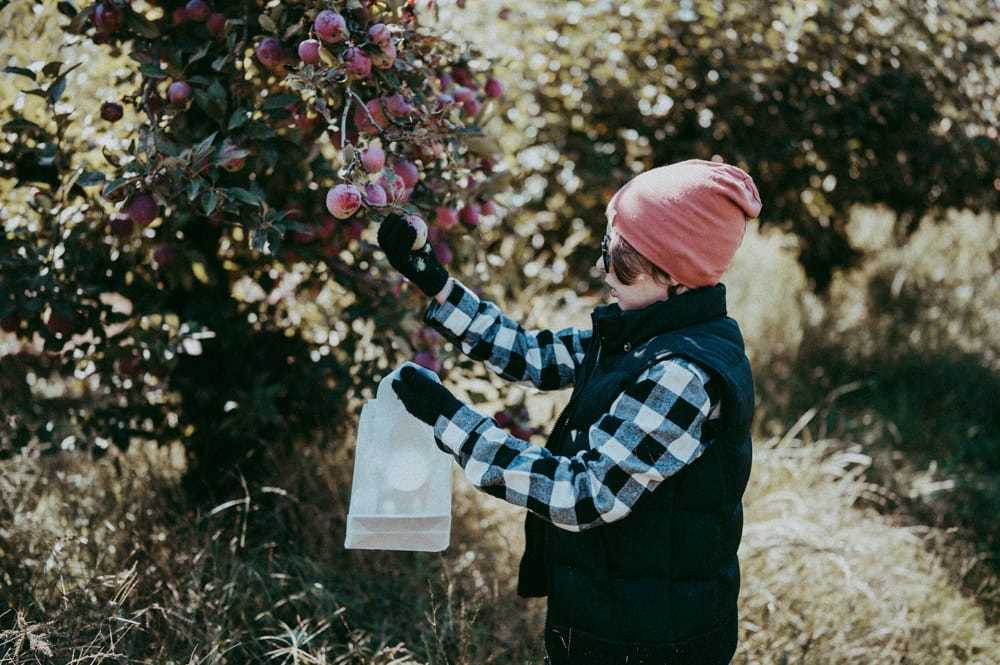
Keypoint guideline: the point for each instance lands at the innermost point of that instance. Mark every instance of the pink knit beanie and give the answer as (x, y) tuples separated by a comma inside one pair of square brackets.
[(687, 218)]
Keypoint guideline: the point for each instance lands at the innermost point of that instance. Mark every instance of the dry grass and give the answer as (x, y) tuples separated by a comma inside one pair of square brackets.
[(827, 579)]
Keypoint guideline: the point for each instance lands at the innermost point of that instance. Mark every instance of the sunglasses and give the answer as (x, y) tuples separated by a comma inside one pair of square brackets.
[(606, 255)]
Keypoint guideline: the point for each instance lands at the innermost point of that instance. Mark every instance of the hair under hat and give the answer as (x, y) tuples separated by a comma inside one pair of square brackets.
[(688, 218)]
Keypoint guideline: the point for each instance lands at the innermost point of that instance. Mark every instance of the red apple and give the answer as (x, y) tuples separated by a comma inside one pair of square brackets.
[(359, 65), (309, 51), (373, 159), (166, 254), (469, 214), (420, 226), (111, 111), (143, 209), (108, 17), (121, 225), (60, 324), (330, 26), (380, 34), (179, 92), (216, 24), (375, 195), (494, 88), (428, 360), (197, 10), (407, 171), (343, 200)]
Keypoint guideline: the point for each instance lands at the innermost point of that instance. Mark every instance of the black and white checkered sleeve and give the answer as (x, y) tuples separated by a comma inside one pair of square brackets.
[(653, 429), (546, 359)]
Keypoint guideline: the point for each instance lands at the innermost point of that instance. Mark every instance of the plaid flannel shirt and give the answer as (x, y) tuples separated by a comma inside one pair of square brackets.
[(653, 429)]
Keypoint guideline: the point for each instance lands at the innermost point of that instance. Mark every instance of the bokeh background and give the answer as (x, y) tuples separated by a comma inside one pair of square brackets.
[(177, 492)]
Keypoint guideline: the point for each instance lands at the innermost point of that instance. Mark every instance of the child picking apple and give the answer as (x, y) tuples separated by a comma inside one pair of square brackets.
[(635, 501)]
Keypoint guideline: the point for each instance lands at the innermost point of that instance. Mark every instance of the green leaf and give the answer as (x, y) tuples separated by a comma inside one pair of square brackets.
[(115, 185), (152, 70), (200, 53), (238, 118), (205, 146), (266, 239), (280, 101), (112, 158), (79, 22), (90, 178), (51, 69), (209, 201), (20, 123), (56, 90), (66, 8), (212, 100), (193, 186), (243, 196), (21, 71), (258, 130), (140, 25), (267, 23)]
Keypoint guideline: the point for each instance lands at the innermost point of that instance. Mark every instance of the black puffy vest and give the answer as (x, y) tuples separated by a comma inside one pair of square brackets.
[(668, 572)]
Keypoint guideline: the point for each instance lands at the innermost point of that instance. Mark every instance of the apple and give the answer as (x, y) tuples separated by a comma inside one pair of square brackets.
[(330, 26), (429, 360), (309, 51), (408, 172), (359, 65), (179, 92), (370, 119), (420, 226), (108, 17), (60, 324), (469, 215), (121, 225), (443, 251), (373, 159), (216, 24), (380, 34), (111, 111), (197, 11), (165, 255), (343, 200), (375, 195), (446, 217), (397, 105), (493, 88), (143, 209), (271, 53)]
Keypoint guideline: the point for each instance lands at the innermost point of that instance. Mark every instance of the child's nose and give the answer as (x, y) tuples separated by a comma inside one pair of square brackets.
[(599, 263)]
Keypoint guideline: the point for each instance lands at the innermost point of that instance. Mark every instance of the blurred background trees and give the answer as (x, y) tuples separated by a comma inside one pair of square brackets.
[(828, 104)]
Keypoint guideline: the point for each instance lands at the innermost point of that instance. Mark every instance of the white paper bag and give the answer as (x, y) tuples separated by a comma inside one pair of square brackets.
[(401, 492)]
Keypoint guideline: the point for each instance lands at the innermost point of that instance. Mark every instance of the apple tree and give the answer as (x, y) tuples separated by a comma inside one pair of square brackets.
[(194, 260)]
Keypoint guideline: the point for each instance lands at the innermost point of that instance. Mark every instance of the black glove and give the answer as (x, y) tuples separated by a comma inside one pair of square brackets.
[(420, 266), (424, 397)]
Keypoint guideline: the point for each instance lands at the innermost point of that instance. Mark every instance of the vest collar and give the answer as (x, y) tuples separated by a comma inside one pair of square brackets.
[(621, 331)]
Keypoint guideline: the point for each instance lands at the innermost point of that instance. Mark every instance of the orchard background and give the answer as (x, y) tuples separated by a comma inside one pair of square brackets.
[(193, 308)]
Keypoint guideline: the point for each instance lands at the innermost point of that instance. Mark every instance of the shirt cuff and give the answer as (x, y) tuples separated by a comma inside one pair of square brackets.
[(455, 315), (453, 432)]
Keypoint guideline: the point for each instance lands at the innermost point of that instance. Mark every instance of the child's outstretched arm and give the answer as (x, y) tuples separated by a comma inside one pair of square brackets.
[(546, 359)]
